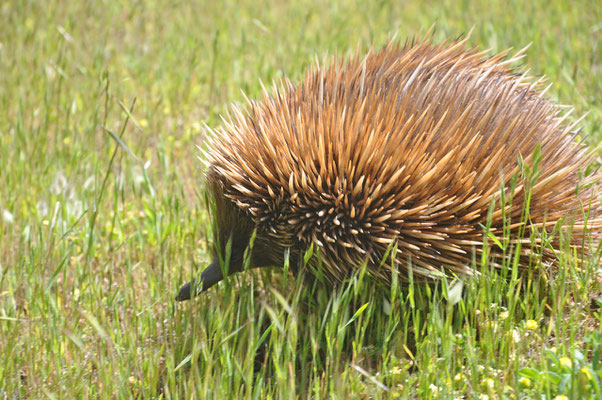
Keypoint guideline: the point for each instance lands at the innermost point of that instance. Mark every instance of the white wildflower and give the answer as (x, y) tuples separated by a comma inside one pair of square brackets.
[(42, 208), (59, 184), (7, 217), (75, 208), (89, 183)]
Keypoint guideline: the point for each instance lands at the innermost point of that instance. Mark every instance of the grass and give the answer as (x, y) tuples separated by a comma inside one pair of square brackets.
[(94, 242)]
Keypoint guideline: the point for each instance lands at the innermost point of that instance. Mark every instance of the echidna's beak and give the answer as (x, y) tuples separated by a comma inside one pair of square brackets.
[(209, 277)]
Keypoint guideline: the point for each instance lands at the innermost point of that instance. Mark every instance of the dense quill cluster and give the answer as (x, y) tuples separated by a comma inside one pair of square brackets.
[(407, 146)]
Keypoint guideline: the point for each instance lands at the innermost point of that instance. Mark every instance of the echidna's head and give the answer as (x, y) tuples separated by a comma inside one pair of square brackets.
[(233, 230)]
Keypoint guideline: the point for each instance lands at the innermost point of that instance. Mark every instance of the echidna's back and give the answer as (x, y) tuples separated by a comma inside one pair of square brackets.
[(405, 144)]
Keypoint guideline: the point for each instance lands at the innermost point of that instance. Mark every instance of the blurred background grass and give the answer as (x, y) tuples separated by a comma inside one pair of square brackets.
[(88, 271)]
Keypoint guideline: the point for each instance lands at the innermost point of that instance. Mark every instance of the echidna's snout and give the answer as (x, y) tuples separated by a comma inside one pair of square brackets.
[(184, 293), (209, 277)]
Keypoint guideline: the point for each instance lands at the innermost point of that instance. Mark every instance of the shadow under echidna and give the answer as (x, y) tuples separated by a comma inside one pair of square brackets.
[(407, 146)]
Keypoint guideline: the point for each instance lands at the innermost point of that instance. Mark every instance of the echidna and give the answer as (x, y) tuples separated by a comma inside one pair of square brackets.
[(405, 146)]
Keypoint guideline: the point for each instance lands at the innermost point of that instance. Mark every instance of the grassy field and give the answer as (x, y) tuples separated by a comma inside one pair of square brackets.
[(94, 242)]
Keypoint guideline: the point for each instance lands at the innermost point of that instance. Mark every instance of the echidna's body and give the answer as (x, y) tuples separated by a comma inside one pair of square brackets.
[(407, 145)]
